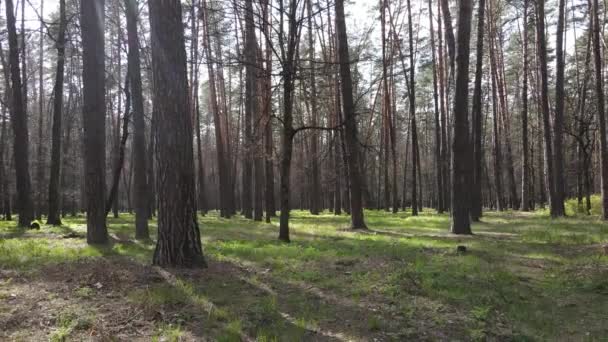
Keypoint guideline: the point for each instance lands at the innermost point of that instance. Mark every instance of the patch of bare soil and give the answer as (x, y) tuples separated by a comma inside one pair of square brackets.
[(91, 292)]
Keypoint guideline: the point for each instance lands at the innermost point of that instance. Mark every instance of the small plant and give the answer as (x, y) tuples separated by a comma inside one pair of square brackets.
[(84, 292), (169, 333), (35, 225)]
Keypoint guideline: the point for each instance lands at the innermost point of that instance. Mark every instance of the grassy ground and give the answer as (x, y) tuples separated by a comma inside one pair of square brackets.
[(524, 277)]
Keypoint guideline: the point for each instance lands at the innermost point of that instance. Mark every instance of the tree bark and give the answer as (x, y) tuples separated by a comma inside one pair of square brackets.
[(461, 149), (54, 216), (476, 194), (438, 156), (348, 107), (525, 167), (599, 89), (92, 24), (558, 121), (139, 124), (315, 201), (20, 126), (544, 97), (412, 103), (179, 242)]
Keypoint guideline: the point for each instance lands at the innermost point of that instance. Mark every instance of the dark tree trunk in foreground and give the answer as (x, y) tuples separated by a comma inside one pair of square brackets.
[(179, 242), (461, 147), (94, 117), (350, 122), (477, 117), (19, 122), (599, 89), (139, 125), (54, 216)]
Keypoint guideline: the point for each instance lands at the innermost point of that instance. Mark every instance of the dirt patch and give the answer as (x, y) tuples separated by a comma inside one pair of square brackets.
[(36, 305)]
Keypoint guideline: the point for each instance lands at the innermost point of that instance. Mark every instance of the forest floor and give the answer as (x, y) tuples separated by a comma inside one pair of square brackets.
[(523, 277)]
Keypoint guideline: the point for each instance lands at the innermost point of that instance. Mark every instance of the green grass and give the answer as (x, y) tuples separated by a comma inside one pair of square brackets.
[(524, 277)]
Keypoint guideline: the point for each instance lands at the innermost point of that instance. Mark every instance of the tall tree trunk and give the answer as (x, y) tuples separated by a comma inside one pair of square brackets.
[(287, 132), (348, 105), (386, 110), (476, 196), (179, 242), (438, 142), (461, 148), (315, 201), (525, 165), (445, 145), (412, 103), (544, 96), (268, 139), (558, 123), (226, 191), (92, 23), (139, 124), (20, 126), (200, 189), (40, 165), (599, 89), (54, 216)]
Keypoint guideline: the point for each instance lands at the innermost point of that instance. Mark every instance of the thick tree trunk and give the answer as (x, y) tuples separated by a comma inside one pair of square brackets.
[(54, 216), (179, 242), (599, 90), (461, 148), (92, 23), (20, 127), (139, 124), (356, 205)]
